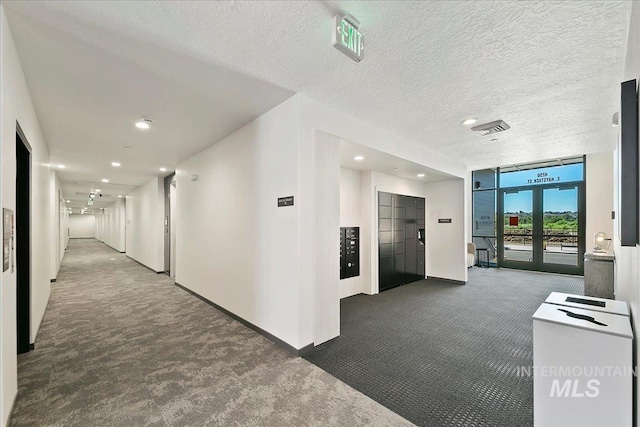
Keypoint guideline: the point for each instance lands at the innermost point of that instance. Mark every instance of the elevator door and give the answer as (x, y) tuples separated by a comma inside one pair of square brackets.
[(401, 252)]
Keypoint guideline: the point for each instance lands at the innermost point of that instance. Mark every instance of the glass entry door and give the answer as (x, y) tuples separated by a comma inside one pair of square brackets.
[(518, 232), (542, 228)]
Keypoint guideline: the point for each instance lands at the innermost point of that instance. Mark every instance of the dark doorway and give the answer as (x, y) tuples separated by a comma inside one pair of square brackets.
[(169, 235), (23, 241)]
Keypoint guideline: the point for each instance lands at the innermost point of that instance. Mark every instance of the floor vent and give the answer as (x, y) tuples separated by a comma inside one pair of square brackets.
[(491, 128)]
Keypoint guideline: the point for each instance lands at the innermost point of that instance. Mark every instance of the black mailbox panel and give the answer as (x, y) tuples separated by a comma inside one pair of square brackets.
[(349, 252)]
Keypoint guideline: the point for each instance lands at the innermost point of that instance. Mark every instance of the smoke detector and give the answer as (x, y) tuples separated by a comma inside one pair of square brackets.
[(491, 128)]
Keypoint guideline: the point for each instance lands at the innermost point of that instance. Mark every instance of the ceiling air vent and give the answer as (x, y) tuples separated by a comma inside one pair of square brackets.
[(491, 128)]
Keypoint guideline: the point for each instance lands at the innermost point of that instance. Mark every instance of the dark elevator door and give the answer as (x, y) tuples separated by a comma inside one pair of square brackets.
[(401, 252)]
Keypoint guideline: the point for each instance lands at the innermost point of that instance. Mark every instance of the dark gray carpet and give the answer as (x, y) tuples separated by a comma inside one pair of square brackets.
[(441, 354), (122, 346)]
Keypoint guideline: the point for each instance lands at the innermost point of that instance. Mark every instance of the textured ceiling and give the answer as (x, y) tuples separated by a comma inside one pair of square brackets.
[(551, 70)]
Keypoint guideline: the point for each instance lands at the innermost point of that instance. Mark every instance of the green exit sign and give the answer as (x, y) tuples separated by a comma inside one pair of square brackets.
[(347, 39)]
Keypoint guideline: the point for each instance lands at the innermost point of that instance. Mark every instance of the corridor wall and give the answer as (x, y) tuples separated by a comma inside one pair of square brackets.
[(235, 246), (144, 224), (59, 224), (82, 226), (110, 225), (16, 106)]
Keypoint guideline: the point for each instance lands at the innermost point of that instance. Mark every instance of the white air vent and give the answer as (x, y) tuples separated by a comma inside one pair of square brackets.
[(491, 128)]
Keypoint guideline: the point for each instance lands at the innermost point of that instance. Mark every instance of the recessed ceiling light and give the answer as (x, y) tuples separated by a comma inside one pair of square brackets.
[(105, 180), (97, 190), (126, 147), (143, 124), (358, 158), (420, 175), (469, 122), (61, 166), (115, 164), (163, 169), (120, 195), (68, 201), (494, 139)]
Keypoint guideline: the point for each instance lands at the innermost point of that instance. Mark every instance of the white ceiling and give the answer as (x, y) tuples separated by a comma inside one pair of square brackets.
[(88, 98), (551, 70), (378, 161)]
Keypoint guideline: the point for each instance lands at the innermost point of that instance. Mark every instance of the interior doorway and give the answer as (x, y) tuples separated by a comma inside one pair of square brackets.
[(23, 242), (169, 224)]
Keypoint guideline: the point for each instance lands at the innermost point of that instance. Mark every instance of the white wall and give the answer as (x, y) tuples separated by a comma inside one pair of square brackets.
[(110, 225), (351, 215), (599, 197), (627, 274), (59, 224), (234, 245), (446, 243), (82, 226), (16, 105), (145, 226), (326, 153)]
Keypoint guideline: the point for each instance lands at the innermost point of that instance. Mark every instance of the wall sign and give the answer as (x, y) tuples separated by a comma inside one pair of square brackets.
[(347, 39), (285, 201), (444, 220), (538, 176)]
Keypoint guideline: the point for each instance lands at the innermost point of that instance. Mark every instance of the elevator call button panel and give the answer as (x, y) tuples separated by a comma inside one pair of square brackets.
[(349, 252)]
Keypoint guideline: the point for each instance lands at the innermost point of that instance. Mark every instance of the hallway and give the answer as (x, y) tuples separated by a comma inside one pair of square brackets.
[(120, 345)]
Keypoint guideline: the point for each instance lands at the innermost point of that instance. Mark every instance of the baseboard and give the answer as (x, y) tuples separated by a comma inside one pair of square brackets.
[(145, 266), (291, 349), (53, 280), (456, 282), (306, 349), (32, 346)]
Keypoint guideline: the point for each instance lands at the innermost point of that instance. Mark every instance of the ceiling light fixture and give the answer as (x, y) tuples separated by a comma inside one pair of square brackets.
[(115, 164), (358, 158), (68, 201), (420, 175), (469, 122), (120, 196), (143, 124), (61, 166), (163, 169), (105, 180), (98, 190), (126, 147)]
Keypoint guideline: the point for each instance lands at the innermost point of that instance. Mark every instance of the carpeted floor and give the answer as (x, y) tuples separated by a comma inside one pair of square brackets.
[(441, 354), (122, 346)]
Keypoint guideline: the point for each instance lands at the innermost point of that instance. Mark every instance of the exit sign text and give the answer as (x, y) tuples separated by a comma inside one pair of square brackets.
[(347, 39)]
